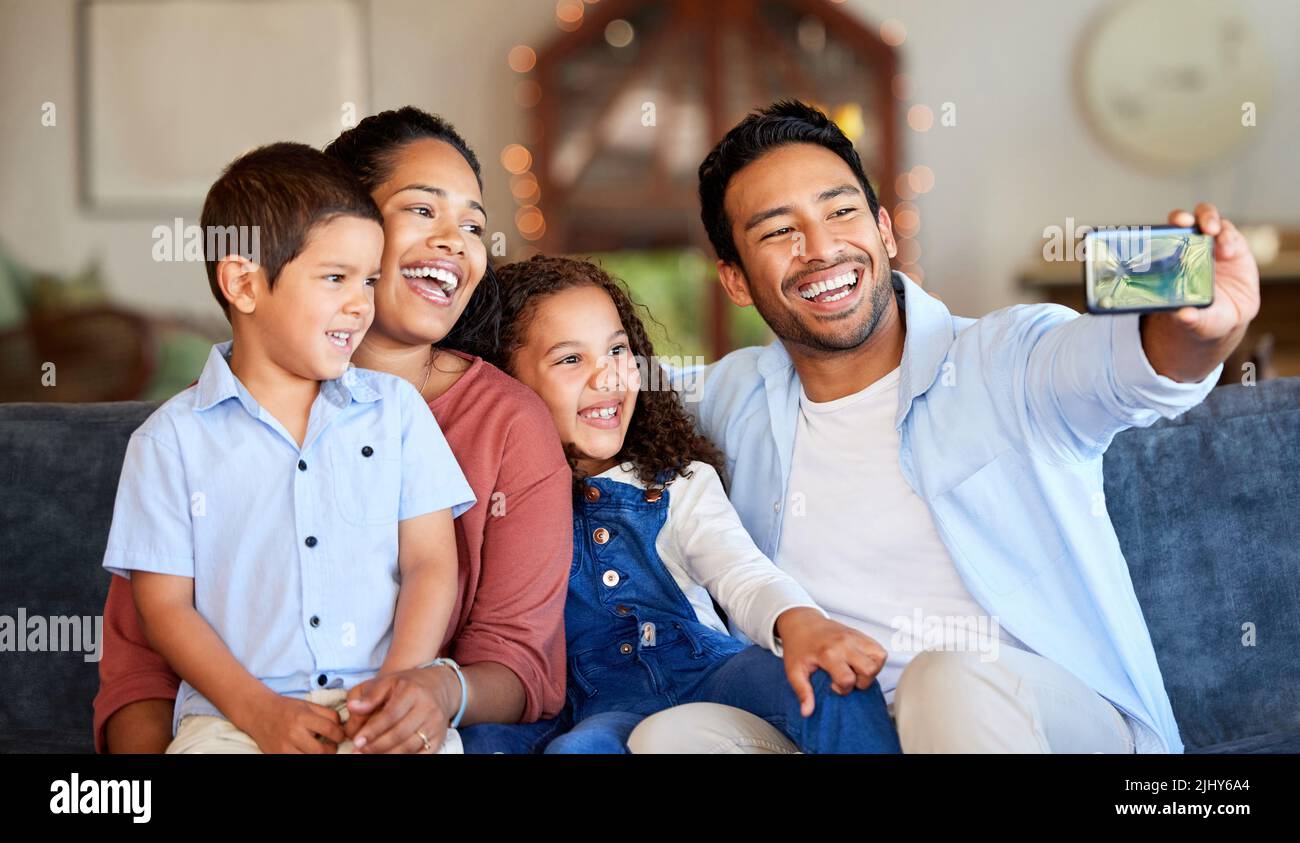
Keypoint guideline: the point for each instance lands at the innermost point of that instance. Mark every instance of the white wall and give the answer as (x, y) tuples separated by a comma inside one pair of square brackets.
[(1020, 157)]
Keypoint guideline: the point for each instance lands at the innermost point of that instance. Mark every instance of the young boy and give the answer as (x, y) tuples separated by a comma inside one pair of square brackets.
[(287, 520)]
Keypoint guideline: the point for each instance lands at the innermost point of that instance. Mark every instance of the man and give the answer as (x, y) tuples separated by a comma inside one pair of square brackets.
[(915, 469)]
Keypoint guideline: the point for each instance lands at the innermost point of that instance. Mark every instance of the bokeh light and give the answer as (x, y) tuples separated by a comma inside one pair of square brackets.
[(525, 189), (921, 178), (530, 222), (521, 58), (619, 33), (568, 15), (920, 118), (892, 32), (516, 158)]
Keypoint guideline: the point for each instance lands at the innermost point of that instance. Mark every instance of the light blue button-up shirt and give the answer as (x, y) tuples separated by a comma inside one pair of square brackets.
[(293, 551), (1003, 422)]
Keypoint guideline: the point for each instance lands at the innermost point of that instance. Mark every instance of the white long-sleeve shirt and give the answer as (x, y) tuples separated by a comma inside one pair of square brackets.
[(708, 552)]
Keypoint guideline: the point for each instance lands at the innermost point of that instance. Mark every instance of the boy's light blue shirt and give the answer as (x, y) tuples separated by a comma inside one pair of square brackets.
[(214, 488), (1003, 422)]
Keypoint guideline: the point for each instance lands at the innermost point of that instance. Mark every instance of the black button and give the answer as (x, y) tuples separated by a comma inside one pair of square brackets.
[(315, 621), (302, 466), (311, 541), (367, 451), (321, 680)]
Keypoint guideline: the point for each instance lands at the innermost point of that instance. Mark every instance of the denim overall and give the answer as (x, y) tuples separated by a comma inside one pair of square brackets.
[(634, 641), (635, 647)]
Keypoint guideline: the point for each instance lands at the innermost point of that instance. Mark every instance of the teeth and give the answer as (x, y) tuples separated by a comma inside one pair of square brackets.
[(339, 338), (442, 276), (848, 279), (604, 413)]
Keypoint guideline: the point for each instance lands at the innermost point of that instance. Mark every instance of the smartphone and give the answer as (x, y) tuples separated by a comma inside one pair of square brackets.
[(1145, 268)]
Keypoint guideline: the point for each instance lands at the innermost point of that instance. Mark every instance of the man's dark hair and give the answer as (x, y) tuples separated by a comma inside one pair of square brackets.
[(780, 124), (371, 150), (273, 197)]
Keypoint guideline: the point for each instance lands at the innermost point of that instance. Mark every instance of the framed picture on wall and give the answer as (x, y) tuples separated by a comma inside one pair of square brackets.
[(173, 90)]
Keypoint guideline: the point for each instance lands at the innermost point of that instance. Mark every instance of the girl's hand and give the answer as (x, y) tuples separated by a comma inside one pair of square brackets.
[(385, 713), (285, 725), (811, 641)]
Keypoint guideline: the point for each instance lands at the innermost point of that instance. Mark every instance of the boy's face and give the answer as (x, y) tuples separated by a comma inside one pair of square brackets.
[(575, 355), (814, 261), (323, 301)]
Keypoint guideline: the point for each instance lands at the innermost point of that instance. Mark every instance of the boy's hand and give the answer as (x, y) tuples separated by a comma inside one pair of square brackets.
[(811, 641), (284, 725)]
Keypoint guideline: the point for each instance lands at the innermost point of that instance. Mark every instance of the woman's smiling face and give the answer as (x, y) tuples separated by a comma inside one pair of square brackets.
[(434, 255)]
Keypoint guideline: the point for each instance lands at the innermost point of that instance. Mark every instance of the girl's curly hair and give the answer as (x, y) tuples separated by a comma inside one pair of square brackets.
[(661, 438)]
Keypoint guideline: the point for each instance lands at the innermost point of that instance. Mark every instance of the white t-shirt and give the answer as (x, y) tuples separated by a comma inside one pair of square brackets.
[(706, 548), (864, 545)]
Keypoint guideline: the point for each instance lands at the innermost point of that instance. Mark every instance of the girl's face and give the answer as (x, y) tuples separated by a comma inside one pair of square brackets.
[(575, 355), (434, 254)]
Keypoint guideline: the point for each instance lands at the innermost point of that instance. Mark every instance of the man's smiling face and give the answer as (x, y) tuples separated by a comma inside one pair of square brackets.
[(813, 259)]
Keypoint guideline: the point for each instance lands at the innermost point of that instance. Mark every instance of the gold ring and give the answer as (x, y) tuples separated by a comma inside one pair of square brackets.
[(425, 740)]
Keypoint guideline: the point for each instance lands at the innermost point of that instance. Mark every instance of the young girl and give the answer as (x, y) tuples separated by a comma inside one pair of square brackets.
[(656, 541)]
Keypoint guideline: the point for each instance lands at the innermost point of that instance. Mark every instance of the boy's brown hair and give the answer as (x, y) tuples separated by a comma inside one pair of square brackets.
[(272, 197), (661, 439)]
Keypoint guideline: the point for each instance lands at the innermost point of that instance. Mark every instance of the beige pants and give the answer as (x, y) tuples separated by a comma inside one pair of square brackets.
[(945, 702), (201, 734)]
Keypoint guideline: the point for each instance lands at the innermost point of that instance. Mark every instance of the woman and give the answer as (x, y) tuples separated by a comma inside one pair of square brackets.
[(435, 314)]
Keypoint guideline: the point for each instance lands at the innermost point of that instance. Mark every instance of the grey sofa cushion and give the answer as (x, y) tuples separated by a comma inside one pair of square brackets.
[(59, 465), (1206, 508)]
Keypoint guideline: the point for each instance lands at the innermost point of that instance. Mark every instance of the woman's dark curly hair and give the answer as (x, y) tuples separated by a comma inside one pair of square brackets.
[(661, 439), (371, 150)]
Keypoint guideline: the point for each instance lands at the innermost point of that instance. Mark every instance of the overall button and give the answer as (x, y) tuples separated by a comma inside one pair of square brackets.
[(367, 451), (776, 507), (622, 610), (610, 578), (315, 621), (653, 495), (310, 541), (321, 680), (601, 535), (302, 465), (625, 648), (592, 494)]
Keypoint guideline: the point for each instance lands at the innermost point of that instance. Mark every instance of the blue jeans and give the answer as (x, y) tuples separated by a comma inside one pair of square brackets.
[(754, 680)]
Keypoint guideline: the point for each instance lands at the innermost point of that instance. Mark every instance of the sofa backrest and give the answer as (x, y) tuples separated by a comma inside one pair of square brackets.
[(59, 465), (1207, 508)]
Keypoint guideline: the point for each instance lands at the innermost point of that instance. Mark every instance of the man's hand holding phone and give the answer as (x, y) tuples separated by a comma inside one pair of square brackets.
[(1155, 271)]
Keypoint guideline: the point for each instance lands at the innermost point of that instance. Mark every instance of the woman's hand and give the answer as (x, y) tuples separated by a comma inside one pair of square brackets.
[(811, 641), (385, 713)]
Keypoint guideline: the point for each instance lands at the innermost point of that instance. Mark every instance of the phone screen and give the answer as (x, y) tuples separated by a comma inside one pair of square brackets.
[(1145, 268)]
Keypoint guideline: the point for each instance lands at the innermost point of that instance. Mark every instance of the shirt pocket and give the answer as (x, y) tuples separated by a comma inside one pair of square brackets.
[(367, 479), (1000, 522)]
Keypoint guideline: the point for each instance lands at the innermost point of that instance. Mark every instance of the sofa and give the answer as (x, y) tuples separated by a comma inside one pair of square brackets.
[(1207, 508)]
